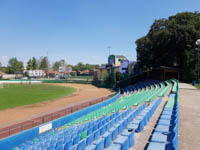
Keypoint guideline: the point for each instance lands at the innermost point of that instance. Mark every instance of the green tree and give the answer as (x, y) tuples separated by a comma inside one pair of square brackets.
[(29, 65), (15, 65), (109, 81), (171, 42), (119, 76), (4, 69), (44, 64), (80, 66), (56, 65), (34, 63)]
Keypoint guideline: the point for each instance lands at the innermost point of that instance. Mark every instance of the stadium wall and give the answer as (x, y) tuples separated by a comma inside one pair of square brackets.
[(10, 142)]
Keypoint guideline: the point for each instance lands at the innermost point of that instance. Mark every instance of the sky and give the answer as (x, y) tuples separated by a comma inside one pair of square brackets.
[(79, 30)]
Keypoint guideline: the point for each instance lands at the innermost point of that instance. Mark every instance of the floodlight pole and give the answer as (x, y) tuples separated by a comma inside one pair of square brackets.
[(198, 49)]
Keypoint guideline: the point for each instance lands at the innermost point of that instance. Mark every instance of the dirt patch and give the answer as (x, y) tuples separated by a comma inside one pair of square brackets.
[(84, 92)]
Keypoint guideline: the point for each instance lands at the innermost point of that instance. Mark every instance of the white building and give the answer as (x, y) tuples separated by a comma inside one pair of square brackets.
[(36, 73)]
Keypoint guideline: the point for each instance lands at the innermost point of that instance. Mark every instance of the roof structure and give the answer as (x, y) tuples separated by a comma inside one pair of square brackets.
[(121, 57)]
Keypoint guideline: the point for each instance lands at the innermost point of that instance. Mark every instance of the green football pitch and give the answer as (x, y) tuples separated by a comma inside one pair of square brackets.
[(13, 95)]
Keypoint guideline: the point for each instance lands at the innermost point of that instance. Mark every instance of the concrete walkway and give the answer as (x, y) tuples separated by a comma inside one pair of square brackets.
[(189, 122)]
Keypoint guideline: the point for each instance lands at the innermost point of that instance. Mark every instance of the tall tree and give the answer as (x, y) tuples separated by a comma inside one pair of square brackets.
[(44, 64), (29, 65), (171, 42), (56, 65), (15, 65), (34, 63)]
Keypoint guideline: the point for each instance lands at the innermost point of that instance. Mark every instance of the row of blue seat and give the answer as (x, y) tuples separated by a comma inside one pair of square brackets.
[(72, 133), (115, 129), (143, 118), (118, 136), (123, 137), (165, 135)]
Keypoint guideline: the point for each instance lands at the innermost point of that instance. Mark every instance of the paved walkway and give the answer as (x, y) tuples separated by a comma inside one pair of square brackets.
[(189, 122)]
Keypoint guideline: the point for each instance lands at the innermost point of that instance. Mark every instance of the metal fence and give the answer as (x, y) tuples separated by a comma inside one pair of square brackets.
[(16, 128)]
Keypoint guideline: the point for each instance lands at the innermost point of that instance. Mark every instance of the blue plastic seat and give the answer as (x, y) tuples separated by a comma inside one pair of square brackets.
[(114, 147), (107, 139), (103, 121), (114, 132), (66, 139), (131, 136), (125, 123), (133, 126), (167, 113), (136, 121), (76, 139), (81, 145), (96, 134), (123, 141), (167, 117), (140, 126), (168, 138), (89, 139), (91, 147), (107, 119), (166, 129), (119, 127), (112, 122), (51, 148), (111, 117), (160, 146), (129, 119), (99, 144), (74, 147), (162, 128), (68, 144), (102, 130), (53, 144), (100, 124), (59, 146), (89, 131), (168, 109), (165, 122), (107, 126)]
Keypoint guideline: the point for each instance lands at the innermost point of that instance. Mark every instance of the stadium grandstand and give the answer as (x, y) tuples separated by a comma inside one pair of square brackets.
[(112, 124)]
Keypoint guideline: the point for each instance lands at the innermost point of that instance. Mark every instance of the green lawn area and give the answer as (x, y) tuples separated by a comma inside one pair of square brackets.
[(13, 95)]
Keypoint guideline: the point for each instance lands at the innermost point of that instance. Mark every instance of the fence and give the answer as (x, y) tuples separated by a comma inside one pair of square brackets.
[(13, 129)]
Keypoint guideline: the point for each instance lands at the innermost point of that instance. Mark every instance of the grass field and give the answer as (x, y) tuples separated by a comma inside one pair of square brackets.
[(13, 95)]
